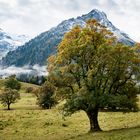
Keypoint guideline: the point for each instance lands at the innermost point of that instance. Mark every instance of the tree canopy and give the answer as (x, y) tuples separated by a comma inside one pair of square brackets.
[(12, 83), (10, 93), (9, 96), (45, 96), (92, 71)]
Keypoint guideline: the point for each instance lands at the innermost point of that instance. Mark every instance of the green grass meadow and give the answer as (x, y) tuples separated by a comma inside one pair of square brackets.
[(26, 121)]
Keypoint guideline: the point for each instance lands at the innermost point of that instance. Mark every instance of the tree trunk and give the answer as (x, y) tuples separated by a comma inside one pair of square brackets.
[(93, 118), (8, 106)]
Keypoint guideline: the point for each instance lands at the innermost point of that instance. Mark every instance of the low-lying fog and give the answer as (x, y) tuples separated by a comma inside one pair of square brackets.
[(29, 70)]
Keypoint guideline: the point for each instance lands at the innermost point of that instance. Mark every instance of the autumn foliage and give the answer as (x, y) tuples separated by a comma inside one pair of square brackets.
[(92, 71)]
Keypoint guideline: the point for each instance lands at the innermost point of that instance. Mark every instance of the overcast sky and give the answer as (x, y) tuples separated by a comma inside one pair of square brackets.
[(31, 17)]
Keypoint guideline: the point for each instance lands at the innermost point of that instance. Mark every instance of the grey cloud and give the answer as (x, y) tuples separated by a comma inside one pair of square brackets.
[(8, 12), (64, 4), (94, 2), (112, 3), (24, 2), (72, 5), (108, 3), (5, 11)]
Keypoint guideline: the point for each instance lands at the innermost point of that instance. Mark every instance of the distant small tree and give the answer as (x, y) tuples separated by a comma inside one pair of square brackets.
[(12, 83), (9, 96), (45, 96)]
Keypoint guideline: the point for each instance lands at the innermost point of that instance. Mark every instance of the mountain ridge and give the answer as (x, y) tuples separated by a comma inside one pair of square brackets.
[(38, 49)]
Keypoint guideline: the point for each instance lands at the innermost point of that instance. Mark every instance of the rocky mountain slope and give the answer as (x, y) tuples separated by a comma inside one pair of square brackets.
[(37, 50)]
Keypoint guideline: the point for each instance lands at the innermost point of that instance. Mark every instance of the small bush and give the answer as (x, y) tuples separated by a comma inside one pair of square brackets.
[(29, 89), (46, 97)]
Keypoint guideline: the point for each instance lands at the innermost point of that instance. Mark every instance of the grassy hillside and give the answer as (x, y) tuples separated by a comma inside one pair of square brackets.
[(26, 121), (24, 86)]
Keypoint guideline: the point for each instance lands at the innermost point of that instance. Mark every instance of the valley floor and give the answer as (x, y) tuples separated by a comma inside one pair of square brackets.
[(26, 121)]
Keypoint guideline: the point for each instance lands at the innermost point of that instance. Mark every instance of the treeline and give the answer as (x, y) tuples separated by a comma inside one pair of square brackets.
[(38, 80)]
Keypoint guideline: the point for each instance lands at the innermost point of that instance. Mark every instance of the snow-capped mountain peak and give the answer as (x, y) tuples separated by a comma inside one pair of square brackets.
[(98, 15), (101, 17), (10, 42)]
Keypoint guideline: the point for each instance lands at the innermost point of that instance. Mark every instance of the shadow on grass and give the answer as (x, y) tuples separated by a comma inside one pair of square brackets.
[(105, 133), (124, 129)]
